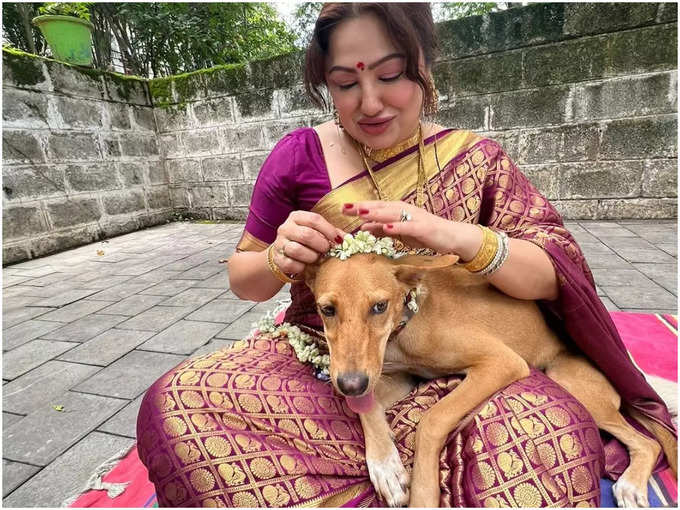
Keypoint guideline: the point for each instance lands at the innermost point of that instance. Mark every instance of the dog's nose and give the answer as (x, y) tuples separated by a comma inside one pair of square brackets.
[(352, 383)]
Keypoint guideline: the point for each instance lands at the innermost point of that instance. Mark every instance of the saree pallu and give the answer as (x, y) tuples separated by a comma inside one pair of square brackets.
[(254, 427)]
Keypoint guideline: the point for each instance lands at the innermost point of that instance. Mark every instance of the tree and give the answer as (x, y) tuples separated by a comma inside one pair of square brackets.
[(17, 28)]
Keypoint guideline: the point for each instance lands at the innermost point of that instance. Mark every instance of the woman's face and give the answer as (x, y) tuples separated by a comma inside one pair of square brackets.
[(377, 104)]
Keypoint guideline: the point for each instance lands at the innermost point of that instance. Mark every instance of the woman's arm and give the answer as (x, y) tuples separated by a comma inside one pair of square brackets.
[(250, 277)]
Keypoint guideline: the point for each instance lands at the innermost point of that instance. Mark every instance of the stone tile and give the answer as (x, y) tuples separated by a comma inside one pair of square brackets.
[(157, 318), (193, 297), (221, 310), (42, 385), (609, 304), (50, 290), (10, 280), (655, 232), (45, 434), (30, 355), (18, 315), (183, 337), (652, 297), (665, 275), (672, 311), (610, 229), (100, 283), (85, 328), (25, 332), (68, 474), (670, 248), (644, 256), (9, 419), (121, 291), (106, 348), (203, 271), (124, 423), (65, 298), (610, 277), (35, 272), (132, 305), (13, 475), (215, 344), (604, 260), (75, 311), (49, 279), (153, 277), (218, 281), (169, 287), (131, 375), (241, 327)]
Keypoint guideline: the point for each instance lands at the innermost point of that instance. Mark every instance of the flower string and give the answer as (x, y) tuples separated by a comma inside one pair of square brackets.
[(363, 242)]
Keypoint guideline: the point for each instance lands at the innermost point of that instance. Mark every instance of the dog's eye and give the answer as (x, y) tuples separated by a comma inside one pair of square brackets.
[(328, 310), (379, 307)]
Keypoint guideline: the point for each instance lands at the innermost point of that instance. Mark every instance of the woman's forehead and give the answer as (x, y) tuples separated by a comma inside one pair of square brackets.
[(362, 39)]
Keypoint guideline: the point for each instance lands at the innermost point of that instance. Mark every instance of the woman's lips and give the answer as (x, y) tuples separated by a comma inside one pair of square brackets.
[(375, 128)]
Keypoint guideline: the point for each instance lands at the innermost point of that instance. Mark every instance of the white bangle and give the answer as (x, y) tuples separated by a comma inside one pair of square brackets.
[(501, 255)]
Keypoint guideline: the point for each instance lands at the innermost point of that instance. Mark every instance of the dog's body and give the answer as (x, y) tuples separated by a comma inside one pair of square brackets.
[(463, 325)]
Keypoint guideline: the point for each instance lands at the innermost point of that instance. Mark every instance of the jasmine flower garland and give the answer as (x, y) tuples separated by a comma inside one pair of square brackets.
[(363, 242)]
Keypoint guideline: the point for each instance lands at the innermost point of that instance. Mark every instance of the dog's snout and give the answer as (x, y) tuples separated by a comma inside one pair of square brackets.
[(352, 383)]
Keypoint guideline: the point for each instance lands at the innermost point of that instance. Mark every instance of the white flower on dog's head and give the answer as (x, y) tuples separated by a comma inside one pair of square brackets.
[(363, 242)]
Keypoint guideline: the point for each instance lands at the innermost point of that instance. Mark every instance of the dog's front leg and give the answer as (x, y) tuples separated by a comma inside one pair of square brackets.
[(480, 383), (385, 468)]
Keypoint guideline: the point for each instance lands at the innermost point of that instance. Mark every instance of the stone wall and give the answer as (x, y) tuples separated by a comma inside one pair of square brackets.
[(582, 96), (80, 157)]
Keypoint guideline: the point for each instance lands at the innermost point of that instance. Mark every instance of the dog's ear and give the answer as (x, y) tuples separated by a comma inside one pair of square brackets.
[(411, 268), (309, 274)]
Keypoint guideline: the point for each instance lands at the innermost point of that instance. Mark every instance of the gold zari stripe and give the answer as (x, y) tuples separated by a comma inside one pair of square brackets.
[(249, 242), (338, 499)]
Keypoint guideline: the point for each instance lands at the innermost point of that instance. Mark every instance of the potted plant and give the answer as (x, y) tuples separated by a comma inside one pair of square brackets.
[(68, 31)]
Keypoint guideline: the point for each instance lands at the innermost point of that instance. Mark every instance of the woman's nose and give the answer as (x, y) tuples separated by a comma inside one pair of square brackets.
[(371, 103)]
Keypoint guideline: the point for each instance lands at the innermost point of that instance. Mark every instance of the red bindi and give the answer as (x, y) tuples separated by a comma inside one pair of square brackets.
[(360, 66)]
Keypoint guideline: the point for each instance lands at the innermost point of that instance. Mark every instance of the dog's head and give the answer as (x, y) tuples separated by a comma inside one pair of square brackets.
[(361, 302)]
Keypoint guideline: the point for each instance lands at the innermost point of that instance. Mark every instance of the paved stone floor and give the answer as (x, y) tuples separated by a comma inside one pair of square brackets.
[(87, 333)]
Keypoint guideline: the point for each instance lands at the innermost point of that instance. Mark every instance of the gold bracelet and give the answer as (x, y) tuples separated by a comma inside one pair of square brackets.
[(487, 251), (276, 270)]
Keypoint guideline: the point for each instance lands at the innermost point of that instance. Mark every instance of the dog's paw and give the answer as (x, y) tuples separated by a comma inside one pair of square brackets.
[(629, 494), (389, 478)]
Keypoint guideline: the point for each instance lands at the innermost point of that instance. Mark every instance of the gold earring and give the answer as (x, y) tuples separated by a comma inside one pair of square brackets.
[(336, 117), (431, 107)]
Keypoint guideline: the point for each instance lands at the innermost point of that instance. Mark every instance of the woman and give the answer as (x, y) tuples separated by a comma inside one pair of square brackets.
[(253, 426)]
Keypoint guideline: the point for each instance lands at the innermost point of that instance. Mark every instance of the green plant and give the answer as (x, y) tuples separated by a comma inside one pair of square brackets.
[(76, 9)]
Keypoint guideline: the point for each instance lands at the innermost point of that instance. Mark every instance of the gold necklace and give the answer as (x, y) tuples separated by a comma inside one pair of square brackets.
[(420, 187), (380, 155)]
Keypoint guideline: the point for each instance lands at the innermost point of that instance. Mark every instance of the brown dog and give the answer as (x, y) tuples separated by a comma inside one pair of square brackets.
[(464, 325)]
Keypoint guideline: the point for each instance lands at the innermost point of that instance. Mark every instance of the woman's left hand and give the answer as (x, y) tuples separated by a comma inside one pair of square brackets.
[(414, 226)]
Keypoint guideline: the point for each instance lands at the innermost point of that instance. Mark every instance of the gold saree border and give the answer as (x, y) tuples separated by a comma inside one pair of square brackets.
[(338, 499), (395, 180), (249, 242)]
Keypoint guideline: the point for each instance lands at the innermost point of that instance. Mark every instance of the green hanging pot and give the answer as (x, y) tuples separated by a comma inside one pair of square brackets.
[(70, 38)]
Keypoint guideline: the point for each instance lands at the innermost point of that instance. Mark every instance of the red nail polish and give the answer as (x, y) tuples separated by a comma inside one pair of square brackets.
[(348, 206), (389, 225), (363, 211), (338, 239)]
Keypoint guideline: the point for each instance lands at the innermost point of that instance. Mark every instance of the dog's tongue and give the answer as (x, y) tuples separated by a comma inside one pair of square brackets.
[(361, 404)]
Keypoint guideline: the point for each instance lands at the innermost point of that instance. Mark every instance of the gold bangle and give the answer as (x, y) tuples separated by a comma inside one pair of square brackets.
[(487, 251), (276, 270)]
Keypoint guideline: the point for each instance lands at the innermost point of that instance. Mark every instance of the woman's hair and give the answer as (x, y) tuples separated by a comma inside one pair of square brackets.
[(409, 27)]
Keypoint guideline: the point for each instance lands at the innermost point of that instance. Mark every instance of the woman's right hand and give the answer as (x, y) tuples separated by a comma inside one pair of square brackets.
[(302, 239)]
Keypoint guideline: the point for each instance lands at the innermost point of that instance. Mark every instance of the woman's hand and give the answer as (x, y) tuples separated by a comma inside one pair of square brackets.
[(416, 227), (302, 239)]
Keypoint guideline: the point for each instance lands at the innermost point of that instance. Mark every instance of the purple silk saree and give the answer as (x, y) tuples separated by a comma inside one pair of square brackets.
[(252, 426)]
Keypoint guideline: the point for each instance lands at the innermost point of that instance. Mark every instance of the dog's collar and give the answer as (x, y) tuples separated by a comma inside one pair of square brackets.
[(410, 309)]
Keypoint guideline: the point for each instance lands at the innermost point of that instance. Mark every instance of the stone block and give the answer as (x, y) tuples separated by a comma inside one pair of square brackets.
[(104, 349), (157, 173), (124, 423), (208, 196), (72, 146), (600, 180), (194, 297), (110, 145), (256, 104), (252, 163), (92, 177), (221, 310), (131, 173), (82, 329), (655, 137), (598, 18), (115, 380), (32, 182), (576, 209), (79, 113), (660, 178), (157, 318), (240, 193), (138, 144), (22, 221), (227, 80), (75, 311), (75, 81), (201, 142), (127, 89), (189, 87), (25, 332), (26, 440), (201, 272), (480, 75), (648, 208), (183, 170), (119, 116), (21, 147), (66, 476), (13, 253), (24, 109), (39, 387), (122, 225), (169, 288), (158, 197), (179, 198), (223, 168), (144, 118), (542, 107), (24, 71), (626, 97), (243, 138), (568, 143), (183, 337), (124, 202), (64, 298), (213, 112), (72, 211), (174, 117), (546, 65), (275, 131), (278, 72), (31, 355), (465, 113), (545, 178), (14, 474), (294, 101), (171, 146), (643, 50), (667, 12)]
